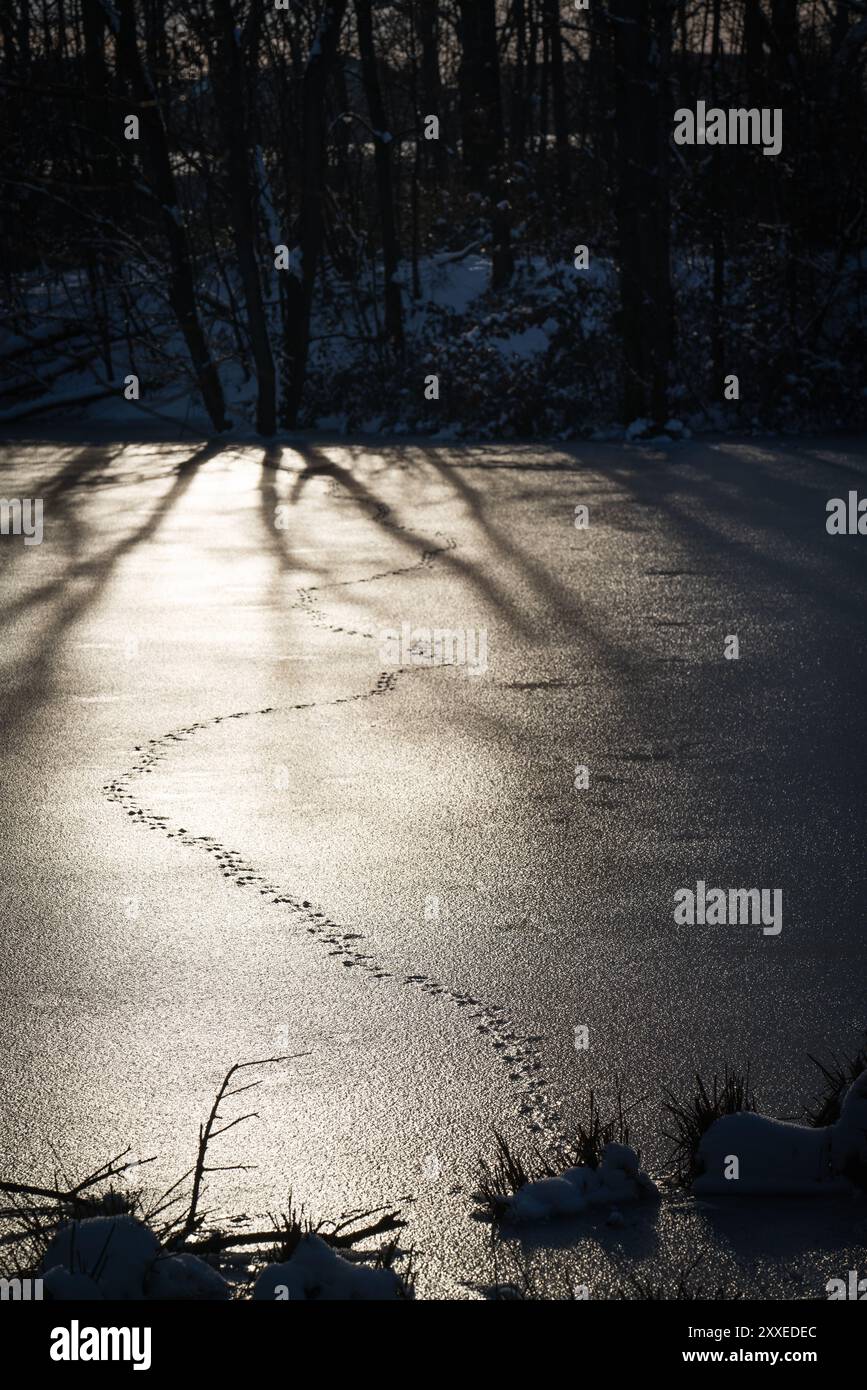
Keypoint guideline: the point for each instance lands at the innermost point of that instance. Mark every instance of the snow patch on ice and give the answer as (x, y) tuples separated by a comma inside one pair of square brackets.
[(316, 1271), (185, 1278), (114, 1251), (776, 1158), (618, 1179)]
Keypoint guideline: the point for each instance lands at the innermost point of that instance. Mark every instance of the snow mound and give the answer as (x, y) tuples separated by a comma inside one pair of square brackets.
[(639, 428), (454, 285), (63, 1287), (849, 1134), (775, 1158), (184, 1278), (617, 1179), (315, 1271), (114, 1251), (524, 344)]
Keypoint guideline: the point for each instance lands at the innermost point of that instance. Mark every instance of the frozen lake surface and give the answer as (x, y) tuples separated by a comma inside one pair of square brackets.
[(233, 827)]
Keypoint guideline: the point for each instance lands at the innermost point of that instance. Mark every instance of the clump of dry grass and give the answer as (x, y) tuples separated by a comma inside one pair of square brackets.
[(690, 1119), (508, 1170), (684, 1287), (500, 1177), (837, 1075)]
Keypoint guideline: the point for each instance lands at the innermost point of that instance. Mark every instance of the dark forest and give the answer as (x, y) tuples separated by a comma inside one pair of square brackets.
[(299, 214)]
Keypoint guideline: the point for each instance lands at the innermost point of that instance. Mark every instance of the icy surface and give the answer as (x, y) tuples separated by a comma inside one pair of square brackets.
[(164, 596)]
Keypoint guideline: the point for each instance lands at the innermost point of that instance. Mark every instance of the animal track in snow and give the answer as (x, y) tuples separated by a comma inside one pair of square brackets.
[(518, 1054)]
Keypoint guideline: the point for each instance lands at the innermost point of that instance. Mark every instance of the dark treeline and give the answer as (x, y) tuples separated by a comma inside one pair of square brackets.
[(207, 192)]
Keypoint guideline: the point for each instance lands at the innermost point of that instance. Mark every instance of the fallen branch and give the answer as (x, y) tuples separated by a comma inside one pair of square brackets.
[(213, 1244), (207, 1132), (65, 399)]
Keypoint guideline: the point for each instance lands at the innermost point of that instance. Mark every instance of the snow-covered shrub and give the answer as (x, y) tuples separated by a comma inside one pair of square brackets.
[(618, 1179), (116, 1252), (849, 1134), (838, 1075), (316, 1271), (747, 1154), (64, 1286), (184, 1277), (692, 1118), (596, 1167)]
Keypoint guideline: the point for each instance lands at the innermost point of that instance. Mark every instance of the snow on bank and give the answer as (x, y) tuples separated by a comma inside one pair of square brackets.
[(315, 1271), (772, 1158), (185, 1278), (118, 1257), (114, 1251), (618, 1179), (539, 358), (451, 284)]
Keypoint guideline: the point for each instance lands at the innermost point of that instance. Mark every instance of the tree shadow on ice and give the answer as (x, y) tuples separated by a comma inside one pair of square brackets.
[(319, 463), (84, 573)]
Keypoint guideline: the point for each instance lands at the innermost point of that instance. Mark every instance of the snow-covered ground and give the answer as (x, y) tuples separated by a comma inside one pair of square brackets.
[(538, 359), (118, 1257)]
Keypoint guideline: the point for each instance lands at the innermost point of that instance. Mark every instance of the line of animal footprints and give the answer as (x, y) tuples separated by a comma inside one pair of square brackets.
[(518, 1054)]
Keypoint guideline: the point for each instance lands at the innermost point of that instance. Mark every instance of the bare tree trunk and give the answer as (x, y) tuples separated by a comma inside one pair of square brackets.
[(754, 55), (482, 125), (661, 308), (231, 107), (551, 20), (479, 82), (299, 294), (431, 82), (24, 34), (155, 150), (382, 143), (784, 23), (517, 108), (415, 177), (544, 88), (94, 25), (629, 52), (532, 68), (786, 94), (716, 211), (600, 72), (10, 47), (155, 41), (643, 212)]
